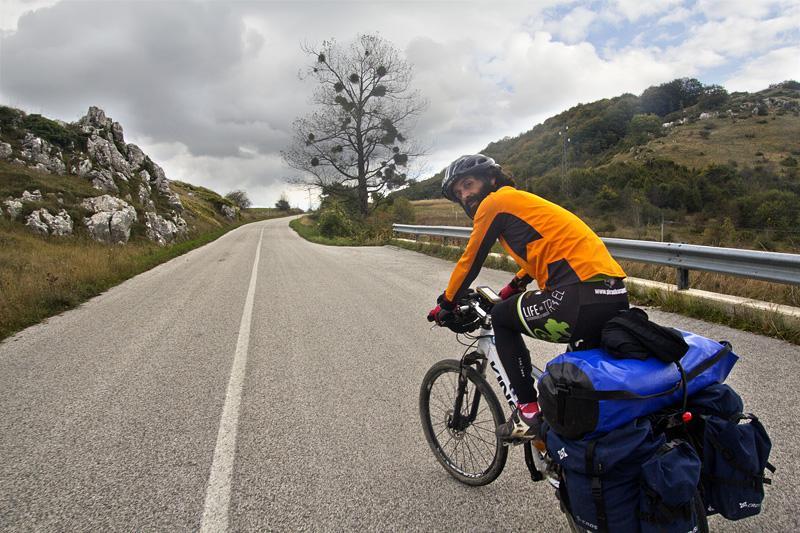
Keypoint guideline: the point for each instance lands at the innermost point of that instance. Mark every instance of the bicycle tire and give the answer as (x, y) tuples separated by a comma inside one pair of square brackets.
[(480, 442)]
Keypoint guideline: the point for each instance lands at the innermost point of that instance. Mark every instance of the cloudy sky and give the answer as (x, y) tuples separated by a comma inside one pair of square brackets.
[(210, 89)]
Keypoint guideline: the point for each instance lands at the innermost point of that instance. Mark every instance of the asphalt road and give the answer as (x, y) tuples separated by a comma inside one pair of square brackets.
[(110, 414)]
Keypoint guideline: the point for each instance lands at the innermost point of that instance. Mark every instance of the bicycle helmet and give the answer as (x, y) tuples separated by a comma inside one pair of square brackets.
[(467, 165)]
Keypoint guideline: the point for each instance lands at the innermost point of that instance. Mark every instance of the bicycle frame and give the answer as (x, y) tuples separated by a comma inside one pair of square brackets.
[(486, 347), (487, 350)]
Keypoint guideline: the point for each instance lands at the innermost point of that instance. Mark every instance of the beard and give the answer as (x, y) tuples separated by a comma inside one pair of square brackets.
[(472, 202)]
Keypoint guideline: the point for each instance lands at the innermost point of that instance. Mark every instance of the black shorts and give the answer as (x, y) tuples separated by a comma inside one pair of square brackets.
[(572, 314)]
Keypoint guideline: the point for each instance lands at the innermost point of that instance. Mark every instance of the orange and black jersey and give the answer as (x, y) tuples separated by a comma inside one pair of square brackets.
[(550, 244)]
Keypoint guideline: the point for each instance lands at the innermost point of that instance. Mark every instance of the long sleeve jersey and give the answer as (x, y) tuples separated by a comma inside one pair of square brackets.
[(550, 244)]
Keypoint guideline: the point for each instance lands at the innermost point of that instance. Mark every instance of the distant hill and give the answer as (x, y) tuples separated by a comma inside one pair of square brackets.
[(681, 150)]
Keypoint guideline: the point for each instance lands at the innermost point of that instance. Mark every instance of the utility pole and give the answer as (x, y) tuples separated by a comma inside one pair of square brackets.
[(564, 141)]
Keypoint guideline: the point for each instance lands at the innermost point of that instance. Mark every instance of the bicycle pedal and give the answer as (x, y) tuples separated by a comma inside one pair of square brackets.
[(515, 442)]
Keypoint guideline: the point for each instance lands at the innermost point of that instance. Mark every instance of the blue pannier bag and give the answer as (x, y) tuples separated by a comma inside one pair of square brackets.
[(588, 393), (669, 499), (734, 458), (599, 482)]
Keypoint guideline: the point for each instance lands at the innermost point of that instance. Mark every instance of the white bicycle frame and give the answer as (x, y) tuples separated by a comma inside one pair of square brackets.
[(486, 347)]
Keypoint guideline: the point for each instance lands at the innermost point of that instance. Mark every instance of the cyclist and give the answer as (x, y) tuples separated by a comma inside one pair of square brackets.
[(580, 284)]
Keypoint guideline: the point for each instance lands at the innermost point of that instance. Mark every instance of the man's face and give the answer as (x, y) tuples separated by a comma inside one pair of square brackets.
[(470, 191)]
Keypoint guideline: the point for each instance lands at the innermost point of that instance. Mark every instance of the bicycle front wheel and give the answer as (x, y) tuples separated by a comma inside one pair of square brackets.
[(469, 451)]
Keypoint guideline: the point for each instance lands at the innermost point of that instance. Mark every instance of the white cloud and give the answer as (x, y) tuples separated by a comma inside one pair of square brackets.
[(574, 26), (12, 10), (760, 72), (633, 10), (211, 88)]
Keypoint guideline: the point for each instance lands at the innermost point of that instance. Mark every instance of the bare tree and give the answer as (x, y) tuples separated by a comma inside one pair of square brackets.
[(283, 203), (355, 138), (239, 197)]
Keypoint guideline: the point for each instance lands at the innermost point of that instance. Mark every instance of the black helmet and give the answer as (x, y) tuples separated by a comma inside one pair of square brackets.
[(475, 165)]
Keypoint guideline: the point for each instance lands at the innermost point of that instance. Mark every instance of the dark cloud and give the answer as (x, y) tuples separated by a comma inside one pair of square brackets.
[(211, 88), (150, 65)]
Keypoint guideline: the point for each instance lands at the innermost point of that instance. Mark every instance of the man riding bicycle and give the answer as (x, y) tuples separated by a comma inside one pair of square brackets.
[(580, 284)]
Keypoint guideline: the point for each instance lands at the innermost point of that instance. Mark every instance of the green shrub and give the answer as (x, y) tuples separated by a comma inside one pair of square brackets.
[(333, 222), (51, 131), (403, 211)]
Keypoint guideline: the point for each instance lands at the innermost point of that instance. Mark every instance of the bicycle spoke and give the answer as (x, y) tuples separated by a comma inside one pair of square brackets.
[(481, 453), (491, 445), (472, 456)]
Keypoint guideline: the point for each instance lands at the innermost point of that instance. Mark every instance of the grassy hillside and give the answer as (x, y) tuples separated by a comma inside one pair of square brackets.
[(725, 169), (43, 276)]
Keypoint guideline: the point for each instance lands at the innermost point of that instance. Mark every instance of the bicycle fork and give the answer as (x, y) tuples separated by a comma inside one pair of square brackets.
[(460, 422)]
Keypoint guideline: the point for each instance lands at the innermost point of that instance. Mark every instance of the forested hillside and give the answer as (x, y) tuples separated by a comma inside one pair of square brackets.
[(691, 154)]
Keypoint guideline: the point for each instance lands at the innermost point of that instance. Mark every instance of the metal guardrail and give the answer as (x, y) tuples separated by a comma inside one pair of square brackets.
[(767, 266)]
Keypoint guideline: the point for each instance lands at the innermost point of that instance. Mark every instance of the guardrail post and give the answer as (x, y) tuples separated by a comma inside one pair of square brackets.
[(683, 278)]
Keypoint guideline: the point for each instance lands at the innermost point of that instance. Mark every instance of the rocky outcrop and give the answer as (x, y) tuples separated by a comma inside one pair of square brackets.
[(112, 219), (106, 155), (228, 211), (135, 157), (162, 230), (114, 167), (5, 150), (103, 180), (14, 205), (41, 155), (94, 121), (161, 183), (144, 194), (42, 222)]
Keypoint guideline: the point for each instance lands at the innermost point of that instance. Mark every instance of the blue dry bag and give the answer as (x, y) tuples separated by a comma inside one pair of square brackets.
[(588, 393)]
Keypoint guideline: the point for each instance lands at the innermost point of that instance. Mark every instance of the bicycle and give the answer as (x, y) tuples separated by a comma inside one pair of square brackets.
[(460, 411), (467, 411)]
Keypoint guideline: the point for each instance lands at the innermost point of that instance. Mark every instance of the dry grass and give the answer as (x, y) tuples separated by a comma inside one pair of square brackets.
[(41, 276), (728, 139)]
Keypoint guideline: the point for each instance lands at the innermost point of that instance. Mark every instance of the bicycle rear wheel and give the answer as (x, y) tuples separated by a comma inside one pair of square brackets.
[(472, 454)]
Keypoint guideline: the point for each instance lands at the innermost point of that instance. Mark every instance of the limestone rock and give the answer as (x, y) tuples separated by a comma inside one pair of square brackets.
[(135, 157), (41, 221), (116, 132), (162, 230), (228, 212), (41, 155), (144, 196), (103, 180), (112, 219), (84, 167), (106, 155), (36, 224), (13, 207), (94, 120), (159, 179), (5, 150), (35, 196)]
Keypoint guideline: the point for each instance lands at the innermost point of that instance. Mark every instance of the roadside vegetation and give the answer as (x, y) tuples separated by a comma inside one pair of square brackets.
[(682, 162), (763, 323), (717, 168), (42, 276)]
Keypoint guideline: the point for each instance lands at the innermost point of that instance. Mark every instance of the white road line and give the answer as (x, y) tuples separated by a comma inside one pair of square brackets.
[(218, 491)]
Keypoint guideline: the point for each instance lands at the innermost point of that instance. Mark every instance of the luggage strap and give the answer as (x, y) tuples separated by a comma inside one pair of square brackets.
[(597, 487), (663, 513)]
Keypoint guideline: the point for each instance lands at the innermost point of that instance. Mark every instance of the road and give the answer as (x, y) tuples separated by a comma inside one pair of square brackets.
[(110, 414)]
